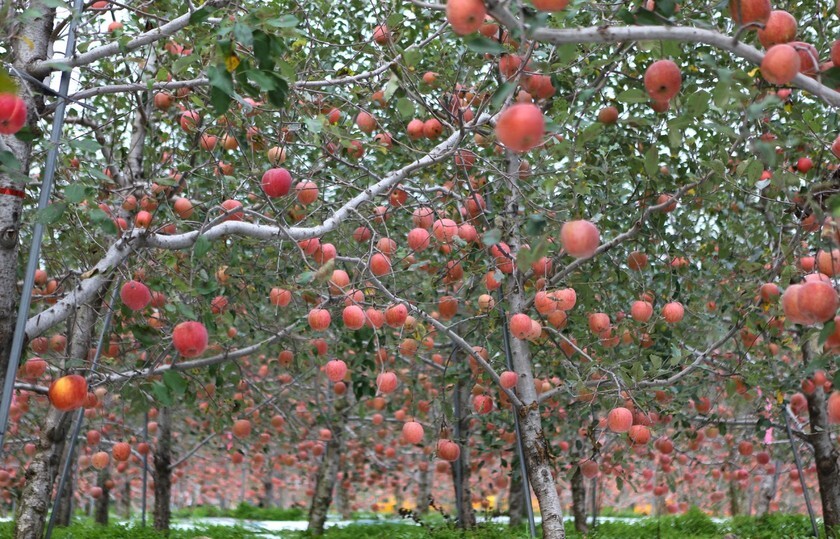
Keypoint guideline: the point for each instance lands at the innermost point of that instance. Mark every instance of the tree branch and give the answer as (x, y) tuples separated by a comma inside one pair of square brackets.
[(684, 34)]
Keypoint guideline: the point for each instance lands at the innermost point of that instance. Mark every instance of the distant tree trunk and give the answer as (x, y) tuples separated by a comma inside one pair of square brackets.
[(579, 501), (423, 490), (768, 491), (516, 505), (324, 481), (342, 499), (126, 498), (461, 467), (267, 499), (101, 505), (64, 510), (163, 471), (734, 505)]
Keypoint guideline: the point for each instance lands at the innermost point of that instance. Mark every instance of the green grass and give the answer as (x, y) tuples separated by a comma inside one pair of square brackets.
[(692, 525), (242, 511)]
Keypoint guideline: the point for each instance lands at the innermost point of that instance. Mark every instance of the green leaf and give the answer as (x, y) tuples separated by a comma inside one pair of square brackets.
[(483, 45), (200, 15), (405, 107), (51, 213), (652, 161), (201, 247), (633, 95), (698, 103), (175, 382), (826, 331), (243, 34), (502, 93), (8, 85), (305, 278), (754, 170), (75, 193), (162, 393), (314, 125), (535, 224), (492, 236), (286, 21), (221, 88)]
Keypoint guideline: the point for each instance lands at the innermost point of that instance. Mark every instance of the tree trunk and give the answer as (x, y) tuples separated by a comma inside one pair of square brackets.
[(30, 44), (461, 467), (163, 471), (342, 495), (825, 457), (267, 499), (424, 489), (126, 498), (734, 505), (103, 503), (579, 501), (535, 446), (516, 505), (768, 491), (64, 509), (324, 482), (533, 439), (40, 476)]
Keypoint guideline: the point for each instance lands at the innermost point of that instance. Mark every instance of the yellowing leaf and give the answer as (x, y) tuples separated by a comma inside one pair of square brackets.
[(231, 63), (754, 72)]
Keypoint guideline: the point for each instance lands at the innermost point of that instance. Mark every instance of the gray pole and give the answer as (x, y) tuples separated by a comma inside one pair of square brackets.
[(814, 529), (38, 233), (145, 472), (459, 494)]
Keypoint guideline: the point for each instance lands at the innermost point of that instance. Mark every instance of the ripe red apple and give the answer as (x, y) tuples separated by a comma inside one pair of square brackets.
[(336, 369), (448, 450), (780, 64), (121, 451), (521, 127), (241, 428), (620, 419), (663, 80), (779, 28), (190, 339), (412, 432), (12, 113), (465, 16), (276, 182), (68, 392), (135, 295), (749, 11), (580, 238)]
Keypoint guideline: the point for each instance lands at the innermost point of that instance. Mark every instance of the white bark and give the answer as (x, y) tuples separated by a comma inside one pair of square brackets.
[(683, 34)]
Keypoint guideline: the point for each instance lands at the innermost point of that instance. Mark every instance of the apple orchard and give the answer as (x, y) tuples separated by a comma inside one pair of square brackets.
[(290, 245)]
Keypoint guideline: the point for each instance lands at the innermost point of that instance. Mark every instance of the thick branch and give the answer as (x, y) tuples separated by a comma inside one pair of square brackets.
[(619, 34), (40, 70)]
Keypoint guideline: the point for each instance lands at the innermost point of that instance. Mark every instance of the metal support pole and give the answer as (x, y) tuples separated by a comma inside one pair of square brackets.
[(814, 529), (526, 482), (145, 472), (459, 472), (79, 414), (38, 233)]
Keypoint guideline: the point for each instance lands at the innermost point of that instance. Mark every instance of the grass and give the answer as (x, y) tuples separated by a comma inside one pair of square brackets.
[(692, 525), (242, 511)]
